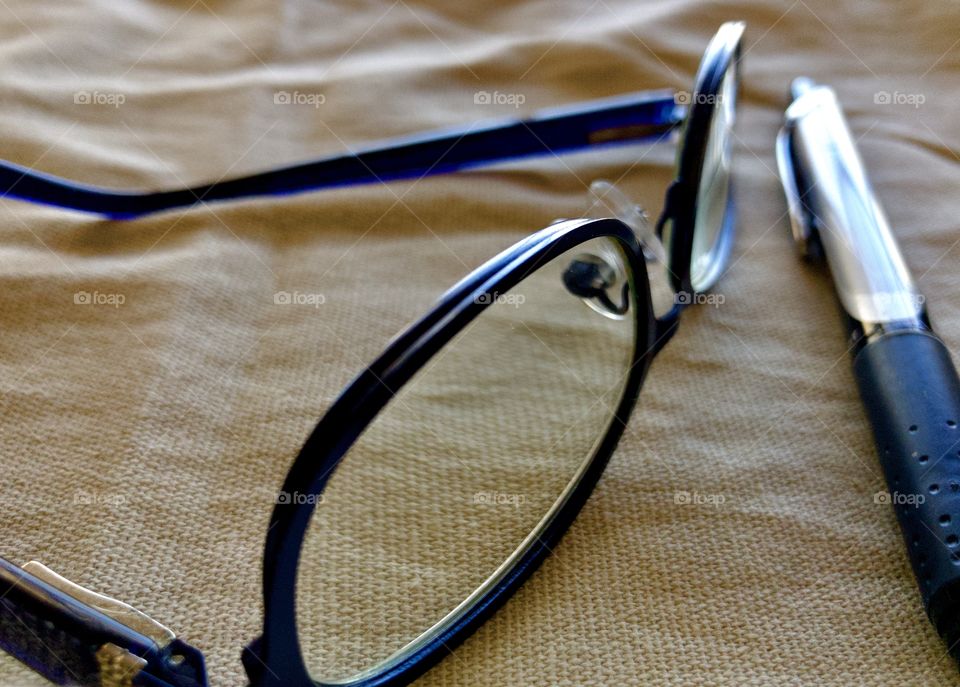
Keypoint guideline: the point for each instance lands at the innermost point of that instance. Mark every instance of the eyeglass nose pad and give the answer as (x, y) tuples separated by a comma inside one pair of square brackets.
[(595, 280), (606, 200)]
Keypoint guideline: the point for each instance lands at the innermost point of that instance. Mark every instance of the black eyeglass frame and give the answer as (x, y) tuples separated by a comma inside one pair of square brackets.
[(70, 634), (275, 658), (680, 203)]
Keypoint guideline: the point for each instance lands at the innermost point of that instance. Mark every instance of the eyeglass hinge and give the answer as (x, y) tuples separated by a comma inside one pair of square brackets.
[(117, 610), (72, 635)]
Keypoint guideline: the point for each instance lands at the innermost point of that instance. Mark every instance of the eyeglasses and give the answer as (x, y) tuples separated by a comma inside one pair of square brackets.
[(449, 468)]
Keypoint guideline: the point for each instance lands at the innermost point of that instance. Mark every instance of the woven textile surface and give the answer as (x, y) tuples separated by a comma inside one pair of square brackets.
[(155, 393)]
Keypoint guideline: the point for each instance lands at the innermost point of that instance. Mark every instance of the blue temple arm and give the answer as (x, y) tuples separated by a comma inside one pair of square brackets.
[(629, 117), (72, 639)]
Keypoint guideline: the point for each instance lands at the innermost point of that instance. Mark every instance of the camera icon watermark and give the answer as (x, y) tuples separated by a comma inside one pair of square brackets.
[(513, 299), (896, 498), (695, 498), (885, 301), (688, 298), (99, 98), (299, 98), (97, 298), (286, 498), (314, 300), (497, 498), (497, 98), (914, 100), (689, 98), (95, 498)]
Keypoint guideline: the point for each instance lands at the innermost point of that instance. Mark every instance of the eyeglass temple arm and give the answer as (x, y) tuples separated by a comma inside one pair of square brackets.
[(648, 114), (71, 635)]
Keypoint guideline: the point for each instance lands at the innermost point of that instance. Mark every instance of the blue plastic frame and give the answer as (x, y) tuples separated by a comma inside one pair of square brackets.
[(626, 118), (680, 206), (274, 659)]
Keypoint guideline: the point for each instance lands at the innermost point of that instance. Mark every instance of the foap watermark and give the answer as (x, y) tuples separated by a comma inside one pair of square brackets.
[(688, 98), (97, 298), (695, 498), (299, 98), (498, 498), (896, 498), (498, 98), (99, 98), (286, 498), (514, 299), (914, 100), (897, 301), (687, 298), (314, 300), (96, 498)]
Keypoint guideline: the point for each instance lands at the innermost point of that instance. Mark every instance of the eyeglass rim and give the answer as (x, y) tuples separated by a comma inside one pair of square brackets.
[(680, 203), (275, 658), (278, 648)]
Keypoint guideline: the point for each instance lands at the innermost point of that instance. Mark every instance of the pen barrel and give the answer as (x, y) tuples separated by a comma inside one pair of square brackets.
[(828, 191), (912, 395)]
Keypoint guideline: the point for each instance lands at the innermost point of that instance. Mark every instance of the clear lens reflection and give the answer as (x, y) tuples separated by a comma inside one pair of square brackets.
[(714, 186), (461, 470)]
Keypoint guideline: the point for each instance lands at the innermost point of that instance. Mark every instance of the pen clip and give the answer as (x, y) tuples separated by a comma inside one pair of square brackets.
[(834, 212), (801, 220)]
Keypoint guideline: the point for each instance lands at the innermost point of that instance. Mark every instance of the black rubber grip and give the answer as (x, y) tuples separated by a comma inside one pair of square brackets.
[(912, 394)]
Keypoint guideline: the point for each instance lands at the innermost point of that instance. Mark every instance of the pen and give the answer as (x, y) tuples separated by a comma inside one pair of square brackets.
[(907, 381)]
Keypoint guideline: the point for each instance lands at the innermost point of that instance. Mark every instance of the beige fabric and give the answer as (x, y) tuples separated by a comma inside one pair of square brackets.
[(461, 467), (143, 444)]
